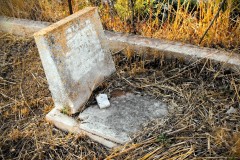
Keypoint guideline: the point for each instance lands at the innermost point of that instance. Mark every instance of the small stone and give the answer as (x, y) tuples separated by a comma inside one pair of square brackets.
[(103, 101), (231, 110)]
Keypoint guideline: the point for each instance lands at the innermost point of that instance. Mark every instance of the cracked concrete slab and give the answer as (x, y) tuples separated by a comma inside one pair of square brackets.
[(69, 124), (124, 117)]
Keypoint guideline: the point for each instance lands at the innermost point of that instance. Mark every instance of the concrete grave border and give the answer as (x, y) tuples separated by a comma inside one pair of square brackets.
[(69, 124), (117, 42), (21, 27), (120, 41)]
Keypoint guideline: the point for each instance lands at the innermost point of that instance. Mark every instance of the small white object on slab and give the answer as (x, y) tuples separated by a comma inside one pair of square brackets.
[(231, 110), (102, 101)]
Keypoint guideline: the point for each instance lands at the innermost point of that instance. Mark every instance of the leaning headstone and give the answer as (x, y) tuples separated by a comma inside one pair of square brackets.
[(75, 57)]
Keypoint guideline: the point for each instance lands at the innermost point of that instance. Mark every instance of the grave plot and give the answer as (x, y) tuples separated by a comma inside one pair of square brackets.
[(201, 99), (76, 59), (202, 92)]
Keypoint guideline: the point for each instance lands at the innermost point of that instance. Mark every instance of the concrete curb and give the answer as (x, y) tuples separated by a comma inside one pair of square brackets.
[(21, 27), (119, 41), (171, 49)]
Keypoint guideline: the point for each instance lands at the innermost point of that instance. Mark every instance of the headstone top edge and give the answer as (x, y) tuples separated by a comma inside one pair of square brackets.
[(68, 19)]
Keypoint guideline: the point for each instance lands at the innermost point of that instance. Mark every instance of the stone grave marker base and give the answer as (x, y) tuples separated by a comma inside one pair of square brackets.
[(112, 126)]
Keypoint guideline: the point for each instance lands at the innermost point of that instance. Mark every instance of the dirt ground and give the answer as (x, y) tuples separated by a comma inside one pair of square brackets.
[(199, 92)]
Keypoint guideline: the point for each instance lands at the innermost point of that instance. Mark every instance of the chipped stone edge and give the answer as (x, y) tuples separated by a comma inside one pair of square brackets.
[(69, 124), (67, 20)]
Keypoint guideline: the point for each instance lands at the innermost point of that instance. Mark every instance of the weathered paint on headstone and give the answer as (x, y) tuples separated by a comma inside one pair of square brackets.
[(75, 57)]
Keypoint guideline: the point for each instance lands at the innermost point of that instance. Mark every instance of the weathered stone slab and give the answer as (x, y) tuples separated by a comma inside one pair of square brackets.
[(75, 57), (63, 121), (171, 49), (69, 124), (125, 117), (22, 27)]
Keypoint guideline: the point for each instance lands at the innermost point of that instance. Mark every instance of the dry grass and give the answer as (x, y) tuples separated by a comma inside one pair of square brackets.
[(41, 10), (24, 102), (183, 23), (198, 126), (200, 93)]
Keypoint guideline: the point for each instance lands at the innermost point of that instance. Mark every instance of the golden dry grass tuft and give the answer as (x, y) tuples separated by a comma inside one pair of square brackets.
[(183, 21)]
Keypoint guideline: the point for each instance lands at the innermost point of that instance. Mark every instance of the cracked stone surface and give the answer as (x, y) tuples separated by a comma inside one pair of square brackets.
[(76, 58), (125, 117)]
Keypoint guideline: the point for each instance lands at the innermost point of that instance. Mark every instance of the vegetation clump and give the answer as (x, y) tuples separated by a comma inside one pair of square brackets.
[(181, 20)]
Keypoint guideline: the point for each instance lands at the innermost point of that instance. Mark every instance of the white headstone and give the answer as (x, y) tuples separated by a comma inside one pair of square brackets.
[(76, 58)]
